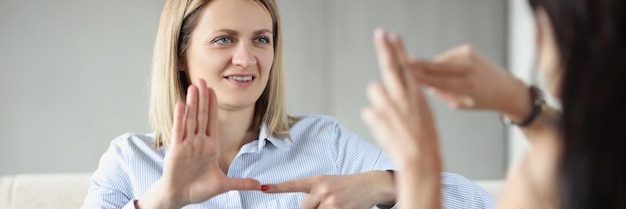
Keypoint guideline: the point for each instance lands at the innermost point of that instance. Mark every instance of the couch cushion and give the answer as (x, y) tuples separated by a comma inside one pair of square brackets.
[(52, 191), (48, 191)]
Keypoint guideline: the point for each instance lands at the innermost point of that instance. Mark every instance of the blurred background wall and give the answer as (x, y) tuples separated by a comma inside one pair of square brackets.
[(74, 73)]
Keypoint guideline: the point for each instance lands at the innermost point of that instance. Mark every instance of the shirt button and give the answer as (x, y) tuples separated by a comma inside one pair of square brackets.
[(232, 193)]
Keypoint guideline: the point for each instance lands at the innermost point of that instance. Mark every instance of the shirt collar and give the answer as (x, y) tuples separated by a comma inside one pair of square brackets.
[(281, 143)]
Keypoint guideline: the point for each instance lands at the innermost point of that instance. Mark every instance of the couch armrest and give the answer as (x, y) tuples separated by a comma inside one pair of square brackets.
[(48, 191)]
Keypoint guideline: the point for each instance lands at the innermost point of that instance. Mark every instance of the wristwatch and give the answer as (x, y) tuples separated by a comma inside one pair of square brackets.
[(538, 105)]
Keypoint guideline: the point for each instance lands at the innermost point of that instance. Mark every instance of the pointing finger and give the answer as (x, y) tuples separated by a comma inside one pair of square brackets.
[(300, 185)]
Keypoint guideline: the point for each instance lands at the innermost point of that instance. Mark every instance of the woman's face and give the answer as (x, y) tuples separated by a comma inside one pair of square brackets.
[(547, 53), (231, 48)]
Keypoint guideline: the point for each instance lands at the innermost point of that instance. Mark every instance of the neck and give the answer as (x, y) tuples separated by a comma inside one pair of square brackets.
[(234, 128)]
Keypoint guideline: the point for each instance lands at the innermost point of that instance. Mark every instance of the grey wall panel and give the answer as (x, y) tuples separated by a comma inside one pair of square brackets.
[(472, 142), (74, 74)]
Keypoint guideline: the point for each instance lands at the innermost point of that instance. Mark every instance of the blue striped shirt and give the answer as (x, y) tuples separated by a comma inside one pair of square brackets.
[(319, 145)]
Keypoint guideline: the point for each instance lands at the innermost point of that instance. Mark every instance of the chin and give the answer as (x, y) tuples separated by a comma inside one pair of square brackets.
[(236, 104)]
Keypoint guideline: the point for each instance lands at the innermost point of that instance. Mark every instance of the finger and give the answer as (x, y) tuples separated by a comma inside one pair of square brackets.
[(240, 184), (454, 54), (438, 68), (378, 96), (203, 106), (377, 117), (178, 130), (299, 185), (402, 57), (455, 101), (310, 202), (388, 64), (383, 104), (378, 124), (446, 83), (454, 91), (191, 110), (414, 86), (213, 119)]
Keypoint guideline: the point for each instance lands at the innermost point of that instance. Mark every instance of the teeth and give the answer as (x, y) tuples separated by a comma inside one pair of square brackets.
[(240, 78)]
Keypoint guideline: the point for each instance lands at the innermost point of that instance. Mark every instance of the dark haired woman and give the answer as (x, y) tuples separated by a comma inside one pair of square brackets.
[(578, 153)]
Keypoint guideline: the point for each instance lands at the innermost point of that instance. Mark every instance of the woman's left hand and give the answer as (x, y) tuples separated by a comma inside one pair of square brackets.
[(399, 115), (354, 191), (401, 121)]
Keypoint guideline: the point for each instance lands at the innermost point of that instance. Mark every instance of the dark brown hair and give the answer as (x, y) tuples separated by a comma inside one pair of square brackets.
[(591, 39)]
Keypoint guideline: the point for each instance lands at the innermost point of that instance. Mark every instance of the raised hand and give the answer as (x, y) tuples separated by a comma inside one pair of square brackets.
[(399, 115), (465, 79), (401, 121), (355, 191), (191, 173)]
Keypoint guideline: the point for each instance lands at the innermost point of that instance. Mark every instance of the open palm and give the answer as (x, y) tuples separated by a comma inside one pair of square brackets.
[(191, 169)]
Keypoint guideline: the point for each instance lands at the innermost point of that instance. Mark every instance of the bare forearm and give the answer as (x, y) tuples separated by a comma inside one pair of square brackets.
[(520, 105), (419, 186), (386, 189)]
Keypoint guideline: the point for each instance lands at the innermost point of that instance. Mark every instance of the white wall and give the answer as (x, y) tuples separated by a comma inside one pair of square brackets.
[(521, 64), (472, 142), (74, 73)]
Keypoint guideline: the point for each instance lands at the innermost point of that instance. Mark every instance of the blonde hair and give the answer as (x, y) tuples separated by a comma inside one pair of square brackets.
[(178, 20)]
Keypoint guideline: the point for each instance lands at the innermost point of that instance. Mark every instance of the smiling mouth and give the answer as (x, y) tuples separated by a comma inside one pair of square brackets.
[(240, 78)]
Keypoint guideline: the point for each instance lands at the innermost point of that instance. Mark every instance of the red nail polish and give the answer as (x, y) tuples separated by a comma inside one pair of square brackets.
[(264, 187)]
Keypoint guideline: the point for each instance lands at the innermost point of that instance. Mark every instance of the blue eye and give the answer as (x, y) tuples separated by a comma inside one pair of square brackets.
[(222, 40), (262, 40)]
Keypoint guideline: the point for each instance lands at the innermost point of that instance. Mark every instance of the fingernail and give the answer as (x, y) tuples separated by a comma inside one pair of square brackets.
[(265, 187), (379, 33), (468, 101)]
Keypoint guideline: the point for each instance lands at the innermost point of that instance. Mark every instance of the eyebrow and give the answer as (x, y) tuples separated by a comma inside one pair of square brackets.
[(262, 31), (233, 32)]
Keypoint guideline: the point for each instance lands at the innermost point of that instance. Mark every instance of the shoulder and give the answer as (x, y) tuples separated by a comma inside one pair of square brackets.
[(132, 143), (315, 119), (458, 190), (456, 180), (453, 178), (324, 128), (314, 124)]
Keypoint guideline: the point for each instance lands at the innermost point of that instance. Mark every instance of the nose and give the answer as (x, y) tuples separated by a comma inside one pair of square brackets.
[(243, 56)]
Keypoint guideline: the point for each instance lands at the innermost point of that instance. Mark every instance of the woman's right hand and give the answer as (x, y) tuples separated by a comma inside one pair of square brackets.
[(464, 79), (191, 173)]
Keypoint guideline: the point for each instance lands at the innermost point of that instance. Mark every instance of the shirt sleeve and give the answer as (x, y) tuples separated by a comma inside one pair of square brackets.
[(355, 155), (110, 183), (459, 192)]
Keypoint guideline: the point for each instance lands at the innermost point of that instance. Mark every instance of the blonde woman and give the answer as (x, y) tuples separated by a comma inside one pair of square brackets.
[(221, 129)]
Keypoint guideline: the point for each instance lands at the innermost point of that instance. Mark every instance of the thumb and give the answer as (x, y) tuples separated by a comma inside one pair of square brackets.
[(241, 184), (454, 100)]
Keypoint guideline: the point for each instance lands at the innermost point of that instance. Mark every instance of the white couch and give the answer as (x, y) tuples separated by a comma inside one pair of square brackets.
[(66, 191)]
